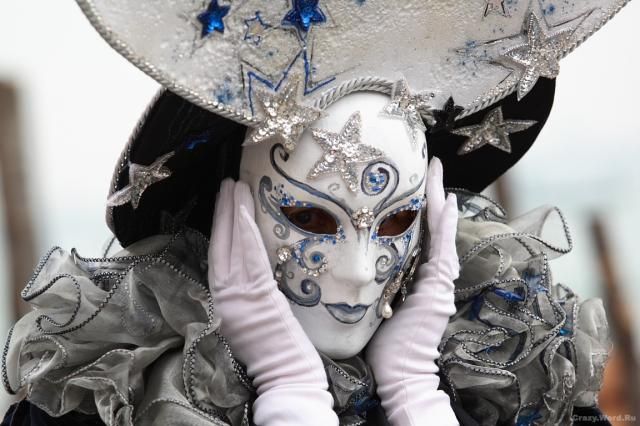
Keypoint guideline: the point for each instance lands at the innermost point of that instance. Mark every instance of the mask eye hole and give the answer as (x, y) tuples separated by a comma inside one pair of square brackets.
[(311, 219), (397, 223)]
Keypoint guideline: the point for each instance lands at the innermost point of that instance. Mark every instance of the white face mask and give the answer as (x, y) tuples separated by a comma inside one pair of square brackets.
[(340, 222)]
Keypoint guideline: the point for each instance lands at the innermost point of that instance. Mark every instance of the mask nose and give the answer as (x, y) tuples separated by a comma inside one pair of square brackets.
[(355, 266)]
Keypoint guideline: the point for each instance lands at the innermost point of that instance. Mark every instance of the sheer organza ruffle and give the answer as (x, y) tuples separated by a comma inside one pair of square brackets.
[(519, 348), (132, 338)]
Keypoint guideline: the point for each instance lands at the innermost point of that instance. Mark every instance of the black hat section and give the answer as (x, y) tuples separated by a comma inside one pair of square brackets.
[(478, 169), (207, 149)]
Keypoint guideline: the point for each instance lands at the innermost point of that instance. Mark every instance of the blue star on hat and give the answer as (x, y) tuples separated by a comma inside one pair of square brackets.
[(211, 19), (303, 14)]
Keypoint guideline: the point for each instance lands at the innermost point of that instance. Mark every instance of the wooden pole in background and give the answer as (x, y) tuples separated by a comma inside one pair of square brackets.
[(625, 389), (18, 224)]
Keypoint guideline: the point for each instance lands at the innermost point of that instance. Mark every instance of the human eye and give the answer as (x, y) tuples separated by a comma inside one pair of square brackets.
[(396, 224), (311, 219), (400, 220)]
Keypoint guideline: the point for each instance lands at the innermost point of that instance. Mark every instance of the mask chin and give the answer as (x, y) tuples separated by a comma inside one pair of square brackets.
[(337, 247)]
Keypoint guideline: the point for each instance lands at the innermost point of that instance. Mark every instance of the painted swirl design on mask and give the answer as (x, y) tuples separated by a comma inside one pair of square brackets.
[(385, 264), (311, 292), (271, 205), (397, 247), (376, 177), (311, 261)]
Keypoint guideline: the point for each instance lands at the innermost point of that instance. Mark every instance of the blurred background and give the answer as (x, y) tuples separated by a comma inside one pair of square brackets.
[(68, 103)]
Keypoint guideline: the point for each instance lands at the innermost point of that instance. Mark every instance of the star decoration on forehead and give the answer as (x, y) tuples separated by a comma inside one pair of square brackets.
[(408, 106), (211, 19), (140, 178), (343, 151), (493, 130), (284, 118), (540, 55)]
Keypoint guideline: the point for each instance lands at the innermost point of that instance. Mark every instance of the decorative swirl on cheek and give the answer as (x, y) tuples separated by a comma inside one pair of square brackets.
[(385, 264), (271, 206), (311, 292)]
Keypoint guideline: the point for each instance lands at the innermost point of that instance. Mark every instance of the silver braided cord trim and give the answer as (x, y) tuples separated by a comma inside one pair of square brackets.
[(373, 84)]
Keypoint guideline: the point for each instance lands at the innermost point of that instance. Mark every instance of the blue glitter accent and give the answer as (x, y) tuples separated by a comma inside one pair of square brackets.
[(303, 14), (211, 20), (376, 182), (508, 295), (360, 2), (364, 404), (564, 332), (549, 10), (316, 258), (198, 139), (223, 94), (528, 420), (254, 38), (534, 281), (476, 306)]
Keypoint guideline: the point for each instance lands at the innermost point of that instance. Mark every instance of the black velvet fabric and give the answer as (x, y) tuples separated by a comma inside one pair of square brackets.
[(24, 413), (478, 169), (207, 149)]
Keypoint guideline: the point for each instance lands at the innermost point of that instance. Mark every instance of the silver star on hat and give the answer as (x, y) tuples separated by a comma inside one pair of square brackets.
[(408, 106), (342, 151), (284, 118), (140, 178), (493, 130), (539, 56)]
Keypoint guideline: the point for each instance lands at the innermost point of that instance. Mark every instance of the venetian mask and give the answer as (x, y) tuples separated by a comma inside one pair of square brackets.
[(340, 216)]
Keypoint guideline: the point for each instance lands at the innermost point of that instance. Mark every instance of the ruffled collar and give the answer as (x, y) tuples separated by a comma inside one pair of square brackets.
[(134, 338)]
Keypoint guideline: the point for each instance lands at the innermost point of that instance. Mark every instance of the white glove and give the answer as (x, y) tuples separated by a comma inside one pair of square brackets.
[(258, 323), (403, 351)]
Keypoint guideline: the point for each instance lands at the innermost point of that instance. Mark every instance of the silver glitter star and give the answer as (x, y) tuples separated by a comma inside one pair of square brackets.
[(342, 151), (495, 6), (408, 106), (284, 118), (539, 56), (493, 130), (140, 178)]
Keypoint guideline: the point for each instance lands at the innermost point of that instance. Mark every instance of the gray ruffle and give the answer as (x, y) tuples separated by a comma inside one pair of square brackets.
[(132, 338), (519, 349)]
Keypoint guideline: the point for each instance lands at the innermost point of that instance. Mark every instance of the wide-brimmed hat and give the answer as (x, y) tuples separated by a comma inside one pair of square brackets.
[(477, 76)]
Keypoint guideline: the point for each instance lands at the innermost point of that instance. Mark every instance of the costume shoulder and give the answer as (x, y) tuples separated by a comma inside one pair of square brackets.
[(130, 338), (520, 348)]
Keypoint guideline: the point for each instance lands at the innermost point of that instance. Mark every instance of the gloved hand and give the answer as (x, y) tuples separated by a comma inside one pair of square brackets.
[(258, 323), (403, 351)]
